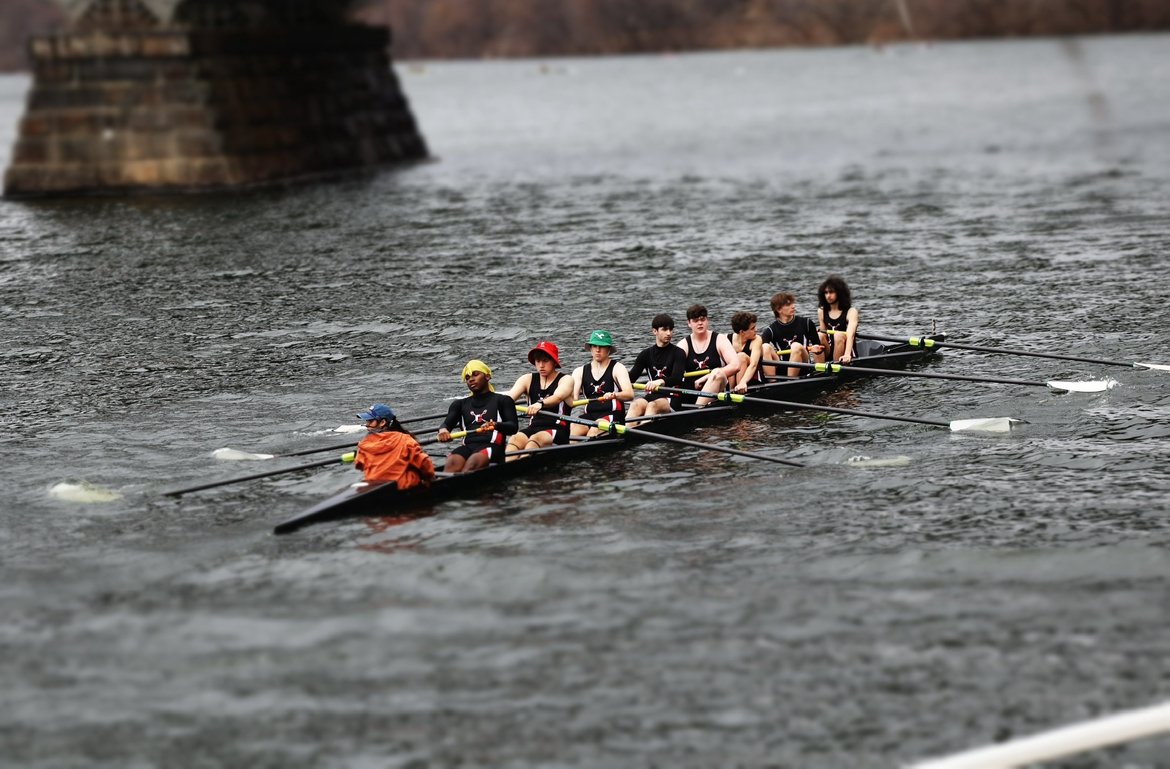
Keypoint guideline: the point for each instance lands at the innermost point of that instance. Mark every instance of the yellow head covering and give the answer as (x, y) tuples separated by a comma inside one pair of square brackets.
[(478, 365)]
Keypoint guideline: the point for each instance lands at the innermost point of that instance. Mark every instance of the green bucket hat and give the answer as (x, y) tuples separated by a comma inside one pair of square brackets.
[(599, 338)]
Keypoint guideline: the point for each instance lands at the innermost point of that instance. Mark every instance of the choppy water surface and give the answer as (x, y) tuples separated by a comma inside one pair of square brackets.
[(669, 607)]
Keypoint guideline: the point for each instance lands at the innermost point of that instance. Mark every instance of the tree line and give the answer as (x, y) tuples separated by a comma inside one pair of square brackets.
[(504, 28)]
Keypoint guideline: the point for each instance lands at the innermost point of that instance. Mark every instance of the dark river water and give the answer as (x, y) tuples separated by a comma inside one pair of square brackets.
[(666, 607)]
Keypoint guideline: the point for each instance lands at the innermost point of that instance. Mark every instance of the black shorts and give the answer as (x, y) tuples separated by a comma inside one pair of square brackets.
[(615, 417), (560, 433), (494, 451)]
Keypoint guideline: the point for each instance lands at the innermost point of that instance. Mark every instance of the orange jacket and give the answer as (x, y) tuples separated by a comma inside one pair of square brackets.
[(394, 457)]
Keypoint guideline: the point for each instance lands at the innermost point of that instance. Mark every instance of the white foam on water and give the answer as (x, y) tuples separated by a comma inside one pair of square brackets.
[(82, 491), (232, 455), (349, 429), (863, 461)]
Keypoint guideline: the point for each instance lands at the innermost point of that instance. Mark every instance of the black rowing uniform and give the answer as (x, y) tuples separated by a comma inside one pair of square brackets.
[(475, 411), (840, 323), (747, 350), (667, 363), (542, 422), (800, 330), (706, 360), (595, 387)]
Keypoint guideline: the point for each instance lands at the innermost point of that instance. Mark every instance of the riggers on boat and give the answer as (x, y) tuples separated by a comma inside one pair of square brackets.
[(382, 498)]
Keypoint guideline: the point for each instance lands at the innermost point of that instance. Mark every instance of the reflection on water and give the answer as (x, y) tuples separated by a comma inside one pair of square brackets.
[(661, 604)]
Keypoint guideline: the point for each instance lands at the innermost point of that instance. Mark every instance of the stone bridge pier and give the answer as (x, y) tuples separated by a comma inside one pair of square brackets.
[(193, 95)]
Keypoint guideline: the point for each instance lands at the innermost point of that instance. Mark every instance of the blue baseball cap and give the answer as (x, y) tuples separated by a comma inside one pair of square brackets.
[(378, 411)]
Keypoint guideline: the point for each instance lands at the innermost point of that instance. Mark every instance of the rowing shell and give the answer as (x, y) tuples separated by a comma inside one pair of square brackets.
[(384, 497)]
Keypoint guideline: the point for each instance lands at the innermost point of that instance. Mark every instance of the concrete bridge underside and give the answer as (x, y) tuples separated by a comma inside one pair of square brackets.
[(189, 95)]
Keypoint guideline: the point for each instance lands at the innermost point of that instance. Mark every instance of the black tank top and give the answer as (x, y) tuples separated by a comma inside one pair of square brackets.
[(707, 359), (543, 421), (595, 388), (839, 324)]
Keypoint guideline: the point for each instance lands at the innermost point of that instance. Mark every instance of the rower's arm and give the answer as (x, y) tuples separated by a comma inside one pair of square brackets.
[(578, 373), (850, 333), (727, 353), (521, 387), (565, 392), (757, 352), (509, 423), (678, 369), (454, 415), (622, 378)]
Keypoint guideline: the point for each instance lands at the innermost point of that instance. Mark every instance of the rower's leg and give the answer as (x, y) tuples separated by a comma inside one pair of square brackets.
[(540, 440), (478, 461), (576, 429), (515, 443), (649, 408), (799, 355), (637, 407), (454, 464), (839, 342), (744, 360), (716, 382)]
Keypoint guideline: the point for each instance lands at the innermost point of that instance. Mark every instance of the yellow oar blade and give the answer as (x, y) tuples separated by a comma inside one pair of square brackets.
[(987, 425), (1084, 387)]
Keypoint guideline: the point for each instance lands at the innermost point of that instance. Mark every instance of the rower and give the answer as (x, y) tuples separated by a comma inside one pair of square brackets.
[(486, 415), (836, 313), (749, 347), (794, 333), (604, 382), (389, 452), (664, 364), (545, 389), (707, 352)]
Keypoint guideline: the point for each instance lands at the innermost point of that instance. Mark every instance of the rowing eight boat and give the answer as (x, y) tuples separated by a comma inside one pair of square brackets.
[(382, 498)]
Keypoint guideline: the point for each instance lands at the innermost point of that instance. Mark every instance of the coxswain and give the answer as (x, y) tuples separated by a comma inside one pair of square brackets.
[(836, 314), (707, 352), (389, 452), (486, 415), (604, 382), (664, 364), (544, 390), (749, 347), (791, 336)]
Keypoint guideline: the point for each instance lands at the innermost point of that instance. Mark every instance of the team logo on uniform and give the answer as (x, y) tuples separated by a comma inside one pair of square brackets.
[(702, 363), (479, 418), (598, 389), (659, 373)]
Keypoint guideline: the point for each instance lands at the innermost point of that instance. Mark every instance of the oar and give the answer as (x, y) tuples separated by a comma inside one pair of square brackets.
[(926, 343), (606, 425), (990, 425), (1094, 386), (323, 463), (233, 454)]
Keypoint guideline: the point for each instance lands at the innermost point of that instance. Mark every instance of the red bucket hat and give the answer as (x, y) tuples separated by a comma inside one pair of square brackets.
[(549, 349)]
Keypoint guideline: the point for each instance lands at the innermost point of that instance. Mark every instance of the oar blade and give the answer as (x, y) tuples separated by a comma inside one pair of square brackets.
[(986, 425), (233, 455), (1155, 366), (1097, 386)]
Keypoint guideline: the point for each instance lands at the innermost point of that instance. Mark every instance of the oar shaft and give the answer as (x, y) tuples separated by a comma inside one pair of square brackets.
[(623, 430), (737, 398), (925, 343), (254, 476), (837, 368)]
